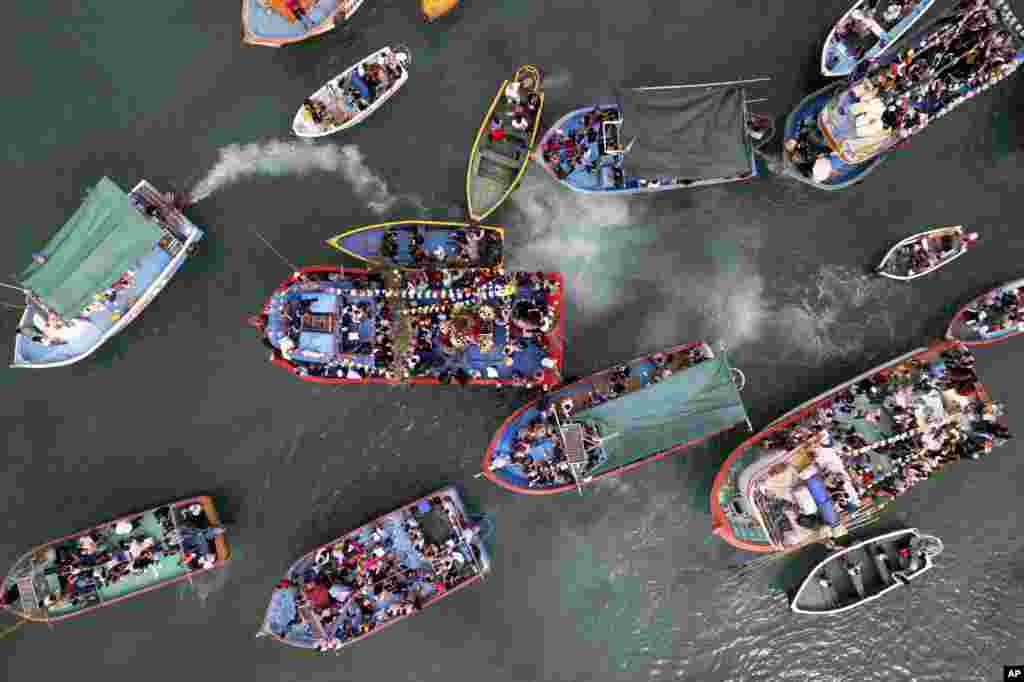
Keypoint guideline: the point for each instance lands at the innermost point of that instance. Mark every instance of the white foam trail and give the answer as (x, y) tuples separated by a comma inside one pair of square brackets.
[(277, 158)]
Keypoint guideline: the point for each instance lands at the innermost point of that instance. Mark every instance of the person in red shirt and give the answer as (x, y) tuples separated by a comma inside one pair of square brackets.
[(497, 132)]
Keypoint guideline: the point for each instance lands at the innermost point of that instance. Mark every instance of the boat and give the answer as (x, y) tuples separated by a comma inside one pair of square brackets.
[(114, 561), (274, 23), (925, 252), (866, 571), (804, 146), (616, 420), (99, 272), (432, 10), (835, 461), (866, 31), (351, 97), (333, 325), (994, 316), (377, 575), (976, 45), (501, 150), (653, 139), (424, 244)]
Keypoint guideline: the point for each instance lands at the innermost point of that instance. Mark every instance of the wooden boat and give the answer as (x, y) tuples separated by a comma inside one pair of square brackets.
[(867, 30), (616, 420), (115, 561), (273, 23), (797, 463), (655, 139), (802, 123), (405, 561), (99, 272), (335, 325), (498, 160), (866, 571), (423, 244), (990, 318), (347, 99), (432, 10), (925, 252)]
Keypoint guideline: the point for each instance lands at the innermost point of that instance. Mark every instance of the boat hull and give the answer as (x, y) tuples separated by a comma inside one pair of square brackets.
[(432, 10), (808, 108), (813, 599), (836, 58), (386, 523), (261, 26), (366, 243), (971, 336), (952, 231), (486, 190), (155, 273), (220, 545)]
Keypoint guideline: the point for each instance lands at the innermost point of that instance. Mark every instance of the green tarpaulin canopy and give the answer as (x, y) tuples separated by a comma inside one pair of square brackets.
[(105, 237), (686, 406)]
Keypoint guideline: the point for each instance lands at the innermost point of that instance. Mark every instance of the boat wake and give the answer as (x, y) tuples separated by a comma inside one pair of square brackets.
[(277, 158)]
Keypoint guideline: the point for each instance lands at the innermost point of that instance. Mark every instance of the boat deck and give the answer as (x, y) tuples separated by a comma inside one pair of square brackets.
[(842, 54), (422, 245), (264, 21)]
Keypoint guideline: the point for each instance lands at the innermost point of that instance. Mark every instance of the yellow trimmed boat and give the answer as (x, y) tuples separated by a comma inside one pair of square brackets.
[(433, 244), (501, 150)]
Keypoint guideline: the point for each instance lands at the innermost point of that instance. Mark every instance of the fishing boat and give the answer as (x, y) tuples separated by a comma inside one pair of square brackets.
[(115, 561), (99, 272), (831, 464), (925, 252), (273, 23), (502, 146), (432, 10), (616, 420), (653, 139), (424, 244), (377, 575), (994, 316), (335, 325), (350, 98), (866, 571), (867, 30), (806, 155)]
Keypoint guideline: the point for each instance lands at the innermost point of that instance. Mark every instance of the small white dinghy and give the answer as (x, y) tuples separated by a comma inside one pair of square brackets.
[(925, 252), (865, 572), (349, 98)]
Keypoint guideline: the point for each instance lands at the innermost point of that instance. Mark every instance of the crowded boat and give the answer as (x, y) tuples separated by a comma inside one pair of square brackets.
[(616, 420), (501, 150), (866, 571), (835, 461), (274, 23), (475, 326), (994, 316), (99, 272), (349, 99), (837, 135), (867, 30), (115, 561), (377, 575), (657, 138), (925, 252), (424, 244)]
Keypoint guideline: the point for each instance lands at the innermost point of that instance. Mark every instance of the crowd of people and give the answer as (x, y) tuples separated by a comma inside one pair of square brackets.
[(927, 414), (583, 146), (541, 433), (999, 312), (105, 556), (387, 571), (358, 91), (520, 103), (927, 252), (867, 25)]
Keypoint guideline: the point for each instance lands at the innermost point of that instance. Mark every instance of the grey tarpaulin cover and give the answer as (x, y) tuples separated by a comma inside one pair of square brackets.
[(691, 132)]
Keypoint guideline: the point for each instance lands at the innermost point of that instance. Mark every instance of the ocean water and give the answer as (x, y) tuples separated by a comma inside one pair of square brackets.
[(624, 583)]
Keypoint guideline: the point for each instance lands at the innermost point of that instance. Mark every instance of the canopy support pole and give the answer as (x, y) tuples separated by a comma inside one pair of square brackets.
[(704, 85), (173, 510)]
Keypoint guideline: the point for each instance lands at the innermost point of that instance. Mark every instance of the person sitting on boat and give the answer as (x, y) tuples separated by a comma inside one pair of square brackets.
[(315, 110), (362, 87), (520, 122), (497, 132), (296, 8), (513, 92)]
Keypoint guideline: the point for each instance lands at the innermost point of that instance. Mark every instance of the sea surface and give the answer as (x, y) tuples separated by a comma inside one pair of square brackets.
[(624, 583)]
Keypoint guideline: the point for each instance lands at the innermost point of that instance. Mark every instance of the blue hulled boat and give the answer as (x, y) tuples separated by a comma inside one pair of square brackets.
[(616, 420), (424, 244), (867, 30), (108, 262), (274, 23), (653, 139), (378, 574)]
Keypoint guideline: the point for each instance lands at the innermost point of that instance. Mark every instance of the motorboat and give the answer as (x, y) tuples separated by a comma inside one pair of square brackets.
[(274, 23), (424, 244), (994, 316), (925, 252), (867, 30)]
